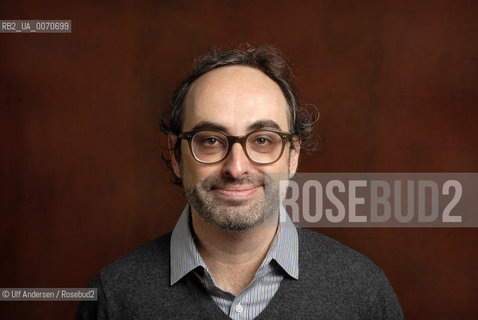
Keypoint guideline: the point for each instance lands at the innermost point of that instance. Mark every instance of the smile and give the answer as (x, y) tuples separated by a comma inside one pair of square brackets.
[(237, 192)]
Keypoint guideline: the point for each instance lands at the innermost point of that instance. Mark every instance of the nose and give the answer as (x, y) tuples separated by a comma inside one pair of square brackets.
[(236, 164)]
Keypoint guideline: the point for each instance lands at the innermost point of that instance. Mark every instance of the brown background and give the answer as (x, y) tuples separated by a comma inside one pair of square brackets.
[(81, 180)]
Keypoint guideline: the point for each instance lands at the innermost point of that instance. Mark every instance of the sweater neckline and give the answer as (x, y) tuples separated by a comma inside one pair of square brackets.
[(276, 303)]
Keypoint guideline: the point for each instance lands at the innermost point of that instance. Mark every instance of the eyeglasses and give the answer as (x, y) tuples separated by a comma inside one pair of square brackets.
[(260, 146)]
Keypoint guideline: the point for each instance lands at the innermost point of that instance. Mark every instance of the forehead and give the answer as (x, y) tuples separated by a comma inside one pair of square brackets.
[(236, 98)]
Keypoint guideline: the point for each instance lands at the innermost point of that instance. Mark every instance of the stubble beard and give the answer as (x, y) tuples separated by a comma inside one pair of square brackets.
[(239, 215)]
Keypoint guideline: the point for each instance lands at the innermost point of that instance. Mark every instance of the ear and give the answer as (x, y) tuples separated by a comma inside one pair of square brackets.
[(172, 138), (294, 156)]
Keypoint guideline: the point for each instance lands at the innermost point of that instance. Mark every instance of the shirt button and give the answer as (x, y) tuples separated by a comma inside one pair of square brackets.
[(239, 308)]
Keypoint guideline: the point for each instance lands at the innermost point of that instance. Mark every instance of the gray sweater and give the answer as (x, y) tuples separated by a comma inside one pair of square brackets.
[(335, 282)]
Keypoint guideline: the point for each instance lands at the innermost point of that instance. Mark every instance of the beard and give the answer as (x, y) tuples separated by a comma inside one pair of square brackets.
[(239, 215)]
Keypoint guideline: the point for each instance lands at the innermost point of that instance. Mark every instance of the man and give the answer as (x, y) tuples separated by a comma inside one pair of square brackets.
[(233, 129)]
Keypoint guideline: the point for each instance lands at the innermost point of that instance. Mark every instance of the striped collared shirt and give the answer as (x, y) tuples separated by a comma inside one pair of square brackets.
[(283, 256)]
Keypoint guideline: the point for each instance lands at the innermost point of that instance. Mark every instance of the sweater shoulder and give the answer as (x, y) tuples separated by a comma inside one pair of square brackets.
[(332, 257), (346, 281), (150, 259)]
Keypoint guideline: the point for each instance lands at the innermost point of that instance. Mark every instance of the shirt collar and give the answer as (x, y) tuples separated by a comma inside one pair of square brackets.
[(285, 246), (185, 256)]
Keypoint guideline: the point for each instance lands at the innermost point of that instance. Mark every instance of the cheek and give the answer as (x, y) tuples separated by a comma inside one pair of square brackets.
[(194, 172), (282, 165)]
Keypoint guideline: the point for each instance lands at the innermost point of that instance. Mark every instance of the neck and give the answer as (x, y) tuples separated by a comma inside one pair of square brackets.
[(233, 257)]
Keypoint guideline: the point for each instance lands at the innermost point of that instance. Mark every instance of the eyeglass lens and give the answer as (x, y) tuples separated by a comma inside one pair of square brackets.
[(261, 146)]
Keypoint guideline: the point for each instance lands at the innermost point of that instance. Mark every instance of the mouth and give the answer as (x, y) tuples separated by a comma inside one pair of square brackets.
[(237, 191)]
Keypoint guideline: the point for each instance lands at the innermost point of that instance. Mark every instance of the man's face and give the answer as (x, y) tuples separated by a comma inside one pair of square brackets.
[(234, 194)]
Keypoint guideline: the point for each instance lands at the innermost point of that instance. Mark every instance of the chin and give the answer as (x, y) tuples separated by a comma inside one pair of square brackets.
[(238, 218), (237, 225)]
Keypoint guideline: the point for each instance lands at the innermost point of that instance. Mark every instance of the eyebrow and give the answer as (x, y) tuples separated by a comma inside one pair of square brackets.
[(263, 124), (203, 125), (260, 124)]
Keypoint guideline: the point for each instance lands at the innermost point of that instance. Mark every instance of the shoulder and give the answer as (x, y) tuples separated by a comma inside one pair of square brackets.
[(345, 278), (316, 247), (327, 260), (140, 265), (124, 285)]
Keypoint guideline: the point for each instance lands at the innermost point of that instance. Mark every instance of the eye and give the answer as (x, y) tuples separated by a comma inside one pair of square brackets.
[(210, 141), (262, 141)]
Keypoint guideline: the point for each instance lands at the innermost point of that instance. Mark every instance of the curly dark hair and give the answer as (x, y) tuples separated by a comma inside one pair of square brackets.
[(267, 59)]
